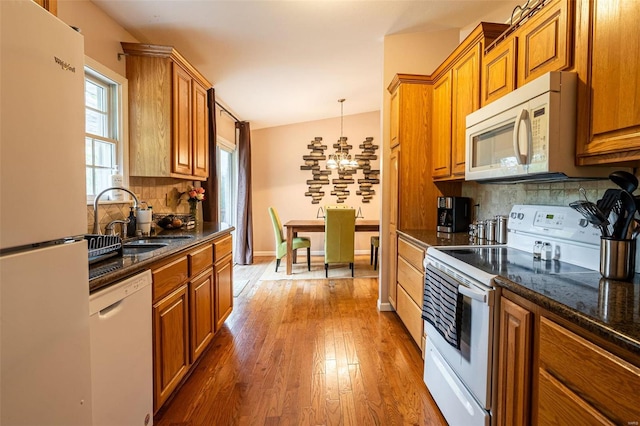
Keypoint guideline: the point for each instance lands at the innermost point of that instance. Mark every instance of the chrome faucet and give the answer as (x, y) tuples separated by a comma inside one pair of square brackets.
[(109, 229), (96, 225)]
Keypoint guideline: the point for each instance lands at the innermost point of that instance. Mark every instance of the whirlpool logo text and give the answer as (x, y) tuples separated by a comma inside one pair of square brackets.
[(64, 65)]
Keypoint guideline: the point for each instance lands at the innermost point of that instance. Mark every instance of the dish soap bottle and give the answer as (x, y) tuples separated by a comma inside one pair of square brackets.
[(131, 226)]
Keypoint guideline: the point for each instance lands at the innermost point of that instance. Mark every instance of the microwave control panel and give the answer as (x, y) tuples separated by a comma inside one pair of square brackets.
[(538, 117)]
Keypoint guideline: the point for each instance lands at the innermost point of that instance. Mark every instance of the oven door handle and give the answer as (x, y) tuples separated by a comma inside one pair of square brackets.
[(475, 295)]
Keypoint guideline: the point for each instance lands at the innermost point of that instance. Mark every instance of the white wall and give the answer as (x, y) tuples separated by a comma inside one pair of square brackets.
[(276, 154), (102, 35)]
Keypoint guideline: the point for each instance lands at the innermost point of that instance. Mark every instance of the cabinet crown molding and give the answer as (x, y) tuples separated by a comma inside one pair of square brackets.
[(169, 52)]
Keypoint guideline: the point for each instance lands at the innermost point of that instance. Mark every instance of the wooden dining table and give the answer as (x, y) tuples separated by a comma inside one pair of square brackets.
[(317, 225)]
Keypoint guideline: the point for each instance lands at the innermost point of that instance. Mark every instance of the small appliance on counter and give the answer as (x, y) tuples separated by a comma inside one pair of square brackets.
[(454, 214)]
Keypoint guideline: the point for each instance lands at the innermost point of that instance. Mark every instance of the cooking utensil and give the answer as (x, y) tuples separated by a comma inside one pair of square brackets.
[(609, 199), (626, 216), (624, 180), (593, 214)]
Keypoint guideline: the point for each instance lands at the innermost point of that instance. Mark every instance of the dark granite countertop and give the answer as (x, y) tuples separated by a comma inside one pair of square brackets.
[(607, 308), (114, 269), (426, 239)]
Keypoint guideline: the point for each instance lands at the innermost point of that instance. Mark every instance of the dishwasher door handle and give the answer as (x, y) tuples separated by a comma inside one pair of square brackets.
[(111, 310)]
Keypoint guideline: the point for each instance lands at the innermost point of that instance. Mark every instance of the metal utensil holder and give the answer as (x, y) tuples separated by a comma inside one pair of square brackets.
[(617, 258)]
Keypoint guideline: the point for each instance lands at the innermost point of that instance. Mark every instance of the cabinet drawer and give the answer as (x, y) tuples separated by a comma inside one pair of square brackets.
[(412, 254), (222, 247), (578, 364), (200, 259), (169, 277), (411, 280), (557, 405), (410, 314)]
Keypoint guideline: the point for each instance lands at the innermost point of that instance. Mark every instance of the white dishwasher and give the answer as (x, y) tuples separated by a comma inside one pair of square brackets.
[(121, 353)]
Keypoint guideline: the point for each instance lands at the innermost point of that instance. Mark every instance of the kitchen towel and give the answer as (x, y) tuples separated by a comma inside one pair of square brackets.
[(442, 305)]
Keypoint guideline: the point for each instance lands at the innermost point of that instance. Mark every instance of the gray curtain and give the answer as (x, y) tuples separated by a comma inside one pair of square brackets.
[(210, 203), (244, 231)]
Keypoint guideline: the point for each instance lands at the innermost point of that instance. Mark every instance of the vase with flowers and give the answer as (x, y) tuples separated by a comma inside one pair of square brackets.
[(194, 196)]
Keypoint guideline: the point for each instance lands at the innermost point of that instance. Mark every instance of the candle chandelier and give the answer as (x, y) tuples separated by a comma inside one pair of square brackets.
[(341, 159)]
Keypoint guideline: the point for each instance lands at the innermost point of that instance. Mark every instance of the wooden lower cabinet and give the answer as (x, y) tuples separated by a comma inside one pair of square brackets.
[(170, 344), (551, 372), (223, 271), (410, 288), (192, 297), (201, 295), (582, 381), (514, 359)]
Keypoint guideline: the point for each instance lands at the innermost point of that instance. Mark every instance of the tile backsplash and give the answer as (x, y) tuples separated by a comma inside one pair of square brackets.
[(496, 199), (161, 193)]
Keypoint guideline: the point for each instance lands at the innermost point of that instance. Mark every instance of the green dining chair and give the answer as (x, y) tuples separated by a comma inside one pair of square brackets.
[(281, 242), (339, 237)]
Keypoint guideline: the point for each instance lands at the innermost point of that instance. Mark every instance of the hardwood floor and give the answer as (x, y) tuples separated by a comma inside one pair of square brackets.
[(306, 352)]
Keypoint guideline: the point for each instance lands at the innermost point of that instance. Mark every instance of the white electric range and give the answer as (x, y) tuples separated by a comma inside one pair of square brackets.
[(460, 300)]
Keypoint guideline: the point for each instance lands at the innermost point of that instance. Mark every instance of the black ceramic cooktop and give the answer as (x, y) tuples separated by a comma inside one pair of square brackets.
[(510, 262)]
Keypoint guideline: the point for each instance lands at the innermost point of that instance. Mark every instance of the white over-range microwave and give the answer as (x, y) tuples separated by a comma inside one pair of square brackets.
[(528, 135)]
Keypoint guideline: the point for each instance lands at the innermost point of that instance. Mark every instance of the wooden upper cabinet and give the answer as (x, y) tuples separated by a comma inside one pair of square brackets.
[(441, 127), (394, 119), (168, 114), (544, 41), (456, 93), (50, 5), (200, 131), (466, 86), (499, 71), (181, 144), (609, 110), (411, 99)]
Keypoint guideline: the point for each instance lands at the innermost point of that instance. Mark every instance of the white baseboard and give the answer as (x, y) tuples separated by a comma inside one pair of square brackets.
[(385, 307)]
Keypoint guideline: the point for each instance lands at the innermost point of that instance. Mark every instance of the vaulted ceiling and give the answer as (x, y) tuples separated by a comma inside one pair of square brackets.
[(283, 62)]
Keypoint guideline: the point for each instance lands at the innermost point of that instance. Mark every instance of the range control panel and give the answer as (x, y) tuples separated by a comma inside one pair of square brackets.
[(553, 221)]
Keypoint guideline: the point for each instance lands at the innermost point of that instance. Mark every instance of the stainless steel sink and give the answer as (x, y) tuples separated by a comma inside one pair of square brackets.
[(140, 248), (150, 243)]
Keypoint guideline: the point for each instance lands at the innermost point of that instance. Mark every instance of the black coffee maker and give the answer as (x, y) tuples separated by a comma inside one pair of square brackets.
[(454, 214)]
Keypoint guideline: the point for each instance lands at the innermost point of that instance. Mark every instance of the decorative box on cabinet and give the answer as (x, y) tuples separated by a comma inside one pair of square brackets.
[(457, 94), (608, 62), (168, 114)]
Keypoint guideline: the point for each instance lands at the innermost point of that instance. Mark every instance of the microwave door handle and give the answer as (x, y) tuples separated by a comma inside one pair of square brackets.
[(523, 115)]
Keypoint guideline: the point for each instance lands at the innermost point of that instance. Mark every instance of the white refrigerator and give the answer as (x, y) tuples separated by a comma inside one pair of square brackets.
[(45, 372)]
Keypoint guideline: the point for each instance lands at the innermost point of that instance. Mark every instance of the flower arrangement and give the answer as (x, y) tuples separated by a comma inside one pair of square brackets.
[(194, 196)]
